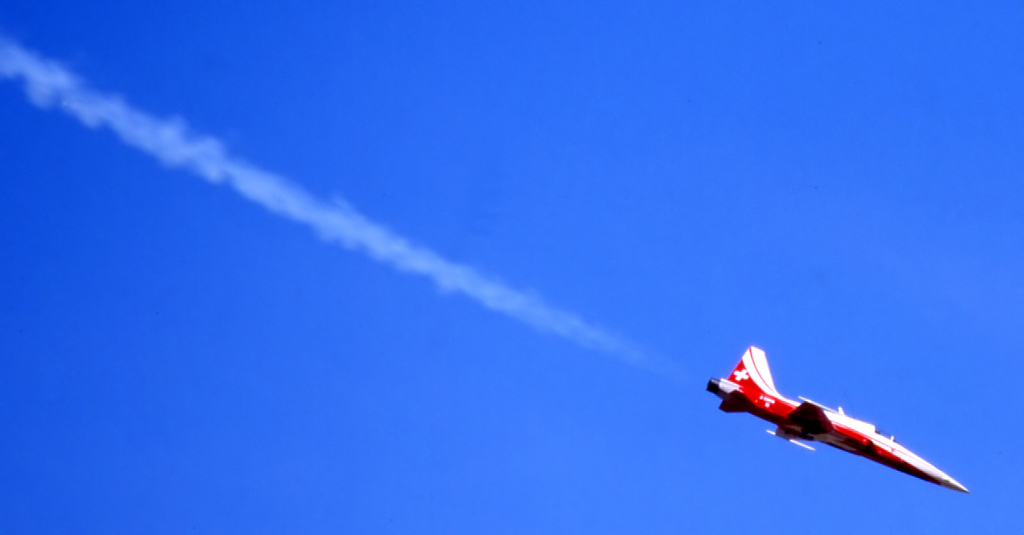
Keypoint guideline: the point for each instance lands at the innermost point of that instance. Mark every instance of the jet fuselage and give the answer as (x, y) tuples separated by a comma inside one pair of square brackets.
[(750, 388)]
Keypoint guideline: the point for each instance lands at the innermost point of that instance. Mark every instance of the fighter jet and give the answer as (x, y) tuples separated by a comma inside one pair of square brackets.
[(750, 389)]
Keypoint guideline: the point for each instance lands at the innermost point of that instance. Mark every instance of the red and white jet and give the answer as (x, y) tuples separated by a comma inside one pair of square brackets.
[(750, 389)]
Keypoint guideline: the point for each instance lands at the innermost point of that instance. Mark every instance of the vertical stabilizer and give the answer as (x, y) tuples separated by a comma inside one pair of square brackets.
[(752, 373)]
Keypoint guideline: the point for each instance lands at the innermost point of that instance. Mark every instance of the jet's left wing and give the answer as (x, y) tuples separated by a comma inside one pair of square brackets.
[(811, 418)]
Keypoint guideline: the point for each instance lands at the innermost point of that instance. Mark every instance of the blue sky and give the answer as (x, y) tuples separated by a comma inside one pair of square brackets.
[(835, 185)]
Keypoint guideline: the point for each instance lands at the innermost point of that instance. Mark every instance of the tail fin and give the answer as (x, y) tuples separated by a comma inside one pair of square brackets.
[(752, 373)]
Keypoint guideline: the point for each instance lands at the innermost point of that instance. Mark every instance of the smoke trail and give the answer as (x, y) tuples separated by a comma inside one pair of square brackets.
[(48, 84)]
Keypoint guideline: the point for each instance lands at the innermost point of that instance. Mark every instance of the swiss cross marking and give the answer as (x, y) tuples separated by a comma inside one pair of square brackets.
[(741, 375)]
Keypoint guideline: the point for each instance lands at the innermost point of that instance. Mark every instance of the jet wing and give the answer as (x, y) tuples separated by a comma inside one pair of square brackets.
[(811, 418)]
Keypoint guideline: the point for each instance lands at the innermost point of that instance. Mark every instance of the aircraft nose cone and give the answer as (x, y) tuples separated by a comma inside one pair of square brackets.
[(937, 476), (949, 483)]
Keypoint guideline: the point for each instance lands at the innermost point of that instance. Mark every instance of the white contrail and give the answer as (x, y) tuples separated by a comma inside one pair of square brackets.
[(48, 84)]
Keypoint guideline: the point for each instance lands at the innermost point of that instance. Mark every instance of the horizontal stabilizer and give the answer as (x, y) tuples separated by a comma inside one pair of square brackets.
[(735, 404)]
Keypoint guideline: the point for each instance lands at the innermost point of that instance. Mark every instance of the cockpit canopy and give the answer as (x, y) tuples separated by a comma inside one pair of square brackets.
[(885, 434)]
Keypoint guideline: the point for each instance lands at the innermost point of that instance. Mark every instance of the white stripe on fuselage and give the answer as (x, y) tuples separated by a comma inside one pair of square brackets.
[(882, 442)]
